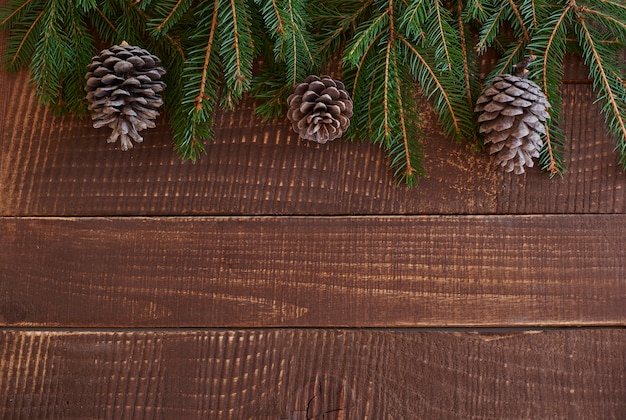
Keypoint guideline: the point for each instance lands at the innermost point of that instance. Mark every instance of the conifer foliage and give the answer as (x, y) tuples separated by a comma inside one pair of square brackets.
[(391, 51)]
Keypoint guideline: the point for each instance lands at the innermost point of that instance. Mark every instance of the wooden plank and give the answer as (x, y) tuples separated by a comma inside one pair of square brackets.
[(305, 374), (314, 271), (68, 169)]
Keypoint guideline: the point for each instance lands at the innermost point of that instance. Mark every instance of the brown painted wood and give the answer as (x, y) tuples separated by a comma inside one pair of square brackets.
[(314, 271), (366, 271), (66, 168), (300, 374)]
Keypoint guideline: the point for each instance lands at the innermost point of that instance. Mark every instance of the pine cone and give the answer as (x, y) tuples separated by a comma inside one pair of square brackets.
[(124, 91), (320, 109), (513, 111)]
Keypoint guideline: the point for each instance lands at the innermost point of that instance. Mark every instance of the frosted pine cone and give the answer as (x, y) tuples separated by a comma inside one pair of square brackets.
[(124, 91), (320, 109), (513, 111)]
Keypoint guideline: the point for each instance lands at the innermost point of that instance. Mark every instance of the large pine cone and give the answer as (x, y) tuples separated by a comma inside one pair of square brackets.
[(320, 109), (124, 90), (513, 111)]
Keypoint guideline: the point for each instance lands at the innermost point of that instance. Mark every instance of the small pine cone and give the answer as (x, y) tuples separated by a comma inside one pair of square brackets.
[(513, 111), (124, 91), (320, 109)]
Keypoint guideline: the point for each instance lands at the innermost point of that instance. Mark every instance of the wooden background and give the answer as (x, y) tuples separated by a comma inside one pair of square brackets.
[(284, 280)]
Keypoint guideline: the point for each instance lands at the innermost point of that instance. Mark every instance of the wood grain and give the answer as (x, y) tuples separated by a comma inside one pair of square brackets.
[(66, 168), (314, 271), (306, 374)]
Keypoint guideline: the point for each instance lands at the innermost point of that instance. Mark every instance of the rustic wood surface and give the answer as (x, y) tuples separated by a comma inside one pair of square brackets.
[(314, 271), (133, 285), (313, 374), (66, 168)]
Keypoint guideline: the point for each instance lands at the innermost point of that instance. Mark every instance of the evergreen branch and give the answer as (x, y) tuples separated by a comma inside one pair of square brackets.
[(386, 94), (360, 65), (345, 23), (24, 49), (106, 19), (443, 28), (366, 33), (293, 43), (556, 36), (474, 10), (607, 84), (471, 83), (15, 14), (280, 30), (432, 85), (192, 119), (519, 19), (533, 8), (200, 98), (615, 4), (406, 170), (236, 49), (296, 22), (49, 59), (613, 24), (514, 54), (386, 83), (432, 25), (177, 11), (489, 30), (549, 44)]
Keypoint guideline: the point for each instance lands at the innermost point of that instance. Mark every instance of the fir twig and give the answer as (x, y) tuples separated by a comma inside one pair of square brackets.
[(549, 45), (209, 49), (601, 59)]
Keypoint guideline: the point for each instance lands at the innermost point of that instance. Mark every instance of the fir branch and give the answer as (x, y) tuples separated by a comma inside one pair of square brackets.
[(192, 121), (431, 22), (474, 10), (530, 8), (549, 46), (609, 21), (387, 68), (287, 24), (343, 25), (607, 83), (106, 28), (14, 11), (169, 13), (469, 68), (406, 156), (236, 49), (518, 22), (615, 4), (22, 52), (514, 53), (489, 30), (454, 116)]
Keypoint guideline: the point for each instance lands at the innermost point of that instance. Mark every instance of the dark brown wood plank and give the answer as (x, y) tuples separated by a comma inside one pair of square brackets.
[(67, 168), (314, 271), (299, 374)]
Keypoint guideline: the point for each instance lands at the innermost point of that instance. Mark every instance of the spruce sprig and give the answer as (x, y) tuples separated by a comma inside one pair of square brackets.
[(391, 50), (602, 55), (549, 45)]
